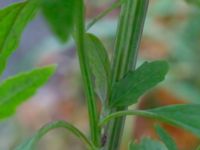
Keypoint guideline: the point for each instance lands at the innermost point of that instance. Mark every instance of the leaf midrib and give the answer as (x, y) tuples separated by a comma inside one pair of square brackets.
[(18, 92), (8, 34)]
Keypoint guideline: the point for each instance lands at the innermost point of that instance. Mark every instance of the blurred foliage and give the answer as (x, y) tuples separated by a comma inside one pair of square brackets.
[(172, 31), (60, 15), (195, 2), (147, 144)]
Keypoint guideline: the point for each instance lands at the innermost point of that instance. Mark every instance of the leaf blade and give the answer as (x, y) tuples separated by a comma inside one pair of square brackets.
[(131, 87), (147, 144), (186, 116), (60, 16), (17, 89), (166, 138), (177, 115), (14, 18), (99, 64)]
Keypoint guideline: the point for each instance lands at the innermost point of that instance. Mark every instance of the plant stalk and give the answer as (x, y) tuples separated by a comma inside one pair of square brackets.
[(140, 113), (86, 73), (130, 28)]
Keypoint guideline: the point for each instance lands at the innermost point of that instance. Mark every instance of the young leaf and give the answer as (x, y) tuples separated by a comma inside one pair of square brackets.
[(148, 144), (99, 64), (60, 15), (17, 89), (31, 142), (12, 23), (166, 138), (136, 83)]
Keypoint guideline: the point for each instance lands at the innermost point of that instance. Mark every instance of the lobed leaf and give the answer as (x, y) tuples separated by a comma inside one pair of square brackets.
[(166, 138), (99, 64), (186, 116), (13, 20), (136, 83), (17, 89), (147, 144), (60, 15)]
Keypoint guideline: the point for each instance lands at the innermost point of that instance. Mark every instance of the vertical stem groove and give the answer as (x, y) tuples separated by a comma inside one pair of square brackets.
[(86, 74), (130, 28)]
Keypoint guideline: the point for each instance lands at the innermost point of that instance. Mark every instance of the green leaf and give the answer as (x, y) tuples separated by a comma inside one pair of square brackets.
[(99, 64), (195, 2), (31, 142), (166, 138), (136, 83), (186, 116), (13, 20), (147, 144), (60, 15), (17, 89)]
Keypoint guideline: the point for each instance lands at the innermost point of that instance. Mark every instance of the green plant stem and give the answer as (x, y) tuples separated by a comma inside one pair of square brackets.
[(131, 22), (86, 74)]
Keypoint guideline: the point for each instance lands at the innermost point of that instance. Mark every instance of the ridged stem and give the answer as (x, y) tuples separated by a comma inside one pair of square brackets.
[(86, 74), (130, 28)]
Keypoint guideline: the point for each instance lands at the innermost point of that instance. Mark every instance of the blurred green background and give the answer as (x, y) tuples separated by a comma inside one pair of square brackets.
[(172, 32)]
